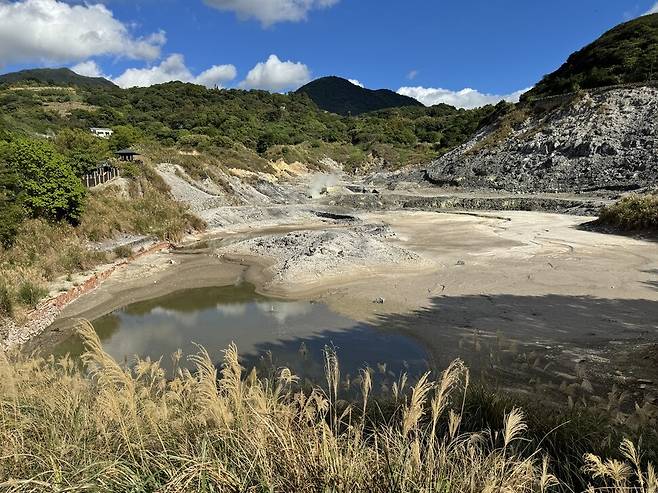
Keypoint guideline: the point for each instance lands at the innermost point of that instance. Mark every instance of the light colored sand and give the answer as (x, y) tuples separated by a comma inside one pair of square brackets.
[(512, 253)]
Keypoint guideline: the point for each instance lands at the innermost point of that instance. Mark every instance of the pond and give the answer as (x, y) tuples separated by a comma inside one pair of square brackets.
[(269, 333)]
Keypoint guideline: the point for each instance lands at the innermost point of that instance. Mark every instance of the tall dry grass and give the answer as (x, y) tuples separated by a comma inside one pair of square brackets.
[(111, 428)]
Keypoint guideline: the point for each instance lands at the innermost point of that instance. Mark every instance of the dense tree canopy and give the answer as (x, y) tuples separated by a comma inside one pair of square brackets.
[(47, 183), (82, 149), (11, 207), (188, 115)]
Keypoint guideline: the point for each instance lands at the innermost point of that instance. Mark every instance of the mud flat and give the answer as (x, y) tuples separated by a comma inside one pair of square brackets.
[(517, 291)]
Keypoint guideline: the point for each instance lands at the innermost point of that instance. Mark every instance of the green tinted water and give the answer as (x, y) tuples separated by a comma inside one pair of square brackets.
[(269, 333)]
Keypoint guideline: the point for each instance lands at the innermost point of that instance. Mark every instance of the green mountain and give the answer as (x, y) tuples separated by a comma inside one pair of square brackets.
[(626, 53), (340, 96), (247, 124), (55, 77)]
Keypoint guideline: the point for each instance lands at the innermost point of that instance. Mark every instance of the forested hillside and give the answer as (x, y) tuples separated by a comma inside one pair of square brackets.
[(627, 53), (256, 123)]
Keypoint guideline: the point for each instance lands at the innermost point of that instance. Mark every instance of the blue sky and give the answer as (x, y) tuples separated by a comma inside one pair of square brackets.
[(433, 49)]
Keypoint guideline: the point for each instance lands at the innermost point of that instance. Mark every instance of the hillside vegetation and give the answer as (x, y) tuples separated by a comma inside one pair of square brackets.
[(342, 97), (188, 116), (626, 53), (47, 218)]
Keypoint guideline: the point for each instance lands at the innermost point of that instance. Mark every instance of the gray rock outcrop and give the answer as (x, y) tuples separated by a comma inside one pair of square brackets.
[(603, 140)]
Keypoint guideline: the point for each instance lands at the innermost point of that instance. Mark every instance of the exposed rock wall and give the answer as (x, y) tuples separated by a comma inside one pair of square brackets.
[(595, 141)]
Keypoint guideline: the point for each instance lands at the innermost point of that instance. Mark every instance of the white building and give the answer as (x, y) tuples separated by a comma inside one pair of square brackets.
[(103, 133)]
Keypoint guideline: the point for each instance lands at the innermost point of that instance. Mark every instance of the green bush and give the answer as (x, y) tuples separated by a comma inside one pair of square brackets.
[(632, 213), (83, 150), (29, 294), (123, 137), (48, 184), (11, 210), (129, 169)]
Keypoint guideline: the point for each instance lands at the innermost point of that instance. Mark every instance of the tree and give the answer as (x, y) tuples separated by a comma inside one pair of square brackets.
[(11, 210), (83, 150), (49, 187), (123, 137)]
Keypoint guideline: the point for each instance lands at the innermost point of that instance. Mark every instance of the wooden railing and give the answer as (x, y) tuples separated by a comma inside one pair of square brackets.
[(100, 176)]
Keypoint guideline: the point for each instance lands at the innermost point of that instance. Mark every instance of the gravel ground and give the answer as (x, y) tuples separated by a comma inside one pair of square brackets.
[(304, 257)]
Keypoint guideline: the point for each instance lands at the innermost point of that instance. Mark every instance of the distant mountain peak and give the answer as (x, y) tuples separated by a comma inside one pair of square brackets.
[(338, 95), (54, 77)]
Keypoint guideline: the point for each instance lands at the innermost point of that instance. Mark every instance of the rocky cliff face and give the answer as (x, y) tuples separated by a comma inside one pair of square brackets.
[(592, 141)]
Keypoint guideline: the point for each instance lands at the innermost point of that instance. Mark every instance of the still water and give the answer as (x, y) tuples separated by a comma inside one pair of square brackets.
[(269, 333)]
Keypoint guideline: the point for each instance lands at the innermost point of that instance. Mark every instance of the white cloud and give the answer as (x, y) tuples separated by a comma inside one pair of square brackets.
[(173, 68), (55, 31), (216, 75), (356, 82), (275, 75), (652, 10), (466, 98), (270, 12), (282, 311), (412, 75), (89, 69)]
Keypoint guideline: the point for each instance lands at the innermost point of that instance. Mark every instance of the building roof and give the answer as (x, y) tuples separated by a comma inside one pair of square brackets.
[(127, 152), (102, 129)]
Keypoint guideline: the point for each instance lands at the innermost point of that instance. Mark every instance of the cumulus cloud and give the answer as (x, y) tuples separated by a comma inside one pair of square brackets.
[(356, 82), (89, 69), (466, 98), (56, 31), (270, 12), (173, 68), (652, 10), (276, 75)]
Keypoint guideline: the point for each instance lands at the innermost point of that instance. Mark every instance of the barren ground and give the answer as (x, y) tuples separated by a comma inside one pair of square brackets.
[(581, 302)]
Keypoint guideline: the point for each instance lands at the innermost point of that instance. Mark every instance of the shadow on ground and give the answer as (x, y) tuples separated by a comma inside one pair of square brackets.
[(574, 344), (653, 283), (596, 227)]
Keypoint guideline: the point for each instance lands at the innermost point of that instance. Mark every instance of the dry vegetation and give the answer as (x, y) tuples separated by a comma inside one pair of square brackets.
[(632, 213), (109, 428), (44, 251)]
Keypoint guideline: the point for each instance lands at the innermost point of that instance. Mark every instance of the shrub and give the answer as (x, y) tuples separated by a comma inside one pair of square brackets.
[(124, 136), (29, 294), (123, 251), (632, 213), (83, 150), (11, 209), (129, 169)]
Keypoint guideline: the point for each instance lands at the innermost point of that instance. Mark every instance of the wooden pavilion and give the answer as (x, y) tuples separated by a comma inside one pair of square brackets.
[(127, 154)]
